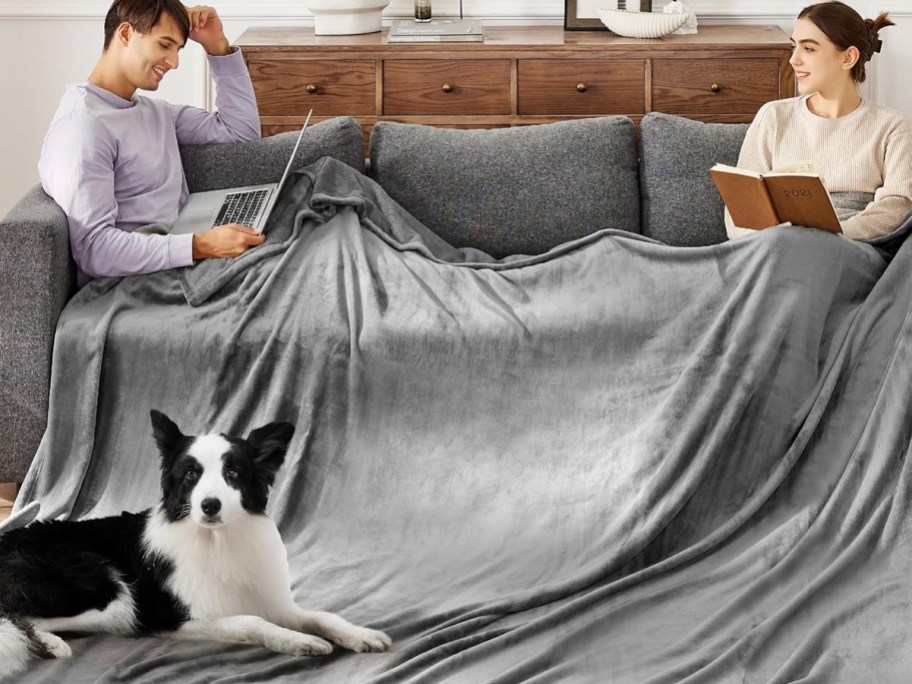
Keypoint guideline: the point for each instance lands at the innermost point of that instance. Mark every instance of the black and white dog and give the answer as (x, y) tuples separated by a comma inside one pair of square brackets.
[(206, 564)]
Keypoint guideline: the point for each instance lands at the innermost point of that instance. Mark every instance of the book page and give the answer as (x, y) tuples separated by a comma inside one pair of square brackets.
[(804, 168), (725, 168)]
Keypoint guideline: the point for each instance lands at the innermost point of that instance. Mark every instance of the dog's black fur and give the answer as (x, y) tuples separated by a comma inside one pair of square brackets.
[(76, 575)]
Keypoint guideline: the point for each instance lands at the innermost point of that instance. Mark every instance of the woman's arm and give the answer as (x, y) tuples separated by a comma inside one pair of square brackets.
[(892, 200)]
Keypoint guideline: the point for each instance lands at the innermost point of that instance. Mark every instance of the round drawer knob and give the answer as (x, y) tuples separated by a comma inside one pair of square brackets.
[(716, 88), (582, 87), (447, 87), (311, 88)]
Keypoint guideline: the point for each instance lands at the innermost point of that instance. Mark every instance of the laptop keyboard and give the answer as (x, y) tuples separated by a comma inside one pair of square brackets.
[(241, 207)]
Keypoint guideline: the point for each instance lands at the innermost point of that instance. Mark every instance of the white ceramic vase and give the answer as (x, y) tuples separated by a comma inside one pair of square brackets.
[(346, 17)]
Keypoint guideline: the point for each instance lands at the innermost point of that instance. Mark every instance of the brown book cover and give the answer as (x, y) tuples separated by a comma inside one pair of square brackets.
[(795, 195)]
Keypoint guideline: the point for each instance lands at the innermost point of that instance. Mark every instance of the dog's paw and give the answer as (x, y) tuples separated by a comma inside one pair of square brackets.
[(56, 647), (364, 640), (304, 645)]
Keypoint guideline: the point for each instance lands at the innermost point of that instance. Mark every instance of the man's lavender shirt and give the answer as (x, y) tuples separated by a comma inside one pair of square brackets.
[(114, 166)]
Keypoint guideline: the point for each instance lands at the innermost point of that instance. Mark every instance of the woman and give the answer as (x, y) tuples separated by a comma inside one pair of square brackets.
[(857, 145)]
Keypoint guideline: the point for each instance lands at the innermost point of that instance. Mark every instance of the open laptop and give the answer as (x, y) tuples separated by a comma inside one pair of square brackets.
[(250, 205)]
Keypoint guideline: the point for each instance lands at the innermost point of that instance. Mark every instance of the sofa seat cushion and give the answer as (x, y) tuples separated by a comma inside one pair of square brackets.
[(510, 191), (681, 205), (213, 167)]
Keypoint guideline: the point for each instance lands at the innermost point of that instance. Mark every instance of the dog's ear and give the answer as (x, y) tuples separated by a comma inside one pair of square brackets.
[(270, 443), (166, 433)]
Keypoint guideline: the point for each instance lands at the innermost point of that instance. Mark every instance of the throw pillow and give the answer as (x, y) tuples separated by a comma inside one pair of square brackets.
[(510, 191), (681, 205), (212, 167)]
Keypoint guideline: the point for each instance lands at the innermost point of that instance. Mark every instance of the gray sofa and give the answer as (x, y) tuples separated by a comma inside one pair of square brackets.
[(504, 191)]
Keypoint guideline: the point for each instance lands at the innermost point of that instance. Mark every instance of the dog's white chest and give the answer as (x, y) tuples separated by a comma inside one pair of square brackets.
[(239, 569)]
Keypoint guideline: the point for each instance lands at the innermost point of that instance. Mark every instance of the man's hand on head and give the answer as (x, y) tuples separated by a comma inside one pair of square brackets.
[(229, 240), (206, 29)]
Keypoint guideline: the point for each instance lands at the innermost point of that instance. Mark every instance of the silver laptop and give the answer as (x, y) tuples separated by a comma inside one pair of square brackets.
[(249, 206)]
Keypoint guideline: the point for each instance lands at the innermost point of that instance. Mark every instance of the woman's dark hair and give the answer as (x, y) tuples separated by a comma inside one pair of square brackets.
[(845, 28), (142, 15)]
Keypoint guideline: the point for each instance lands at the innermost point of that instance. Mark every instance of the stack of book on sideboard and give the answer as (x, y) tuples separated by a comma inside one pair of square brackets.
[(436, 31)]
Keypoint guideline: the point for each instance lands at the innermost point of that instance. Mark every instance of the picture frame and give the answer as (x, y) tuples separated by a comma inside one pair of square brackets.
[(581, 15)]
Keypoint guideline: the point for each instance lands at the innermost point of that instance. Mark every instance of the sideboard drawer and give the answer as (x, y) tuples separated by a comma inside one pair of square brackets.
[(332, 88), (518, 76), (713, 86), (446, 86), (581, 86)]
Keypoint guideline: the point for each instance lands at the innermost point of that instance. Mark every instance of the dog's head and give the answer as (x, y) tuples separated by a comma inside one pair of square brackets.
[(212, 478)]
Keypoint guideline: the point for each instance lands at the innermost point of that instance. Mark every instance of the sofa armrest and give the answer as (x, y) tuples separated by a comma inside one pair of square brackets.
[(38, 277)]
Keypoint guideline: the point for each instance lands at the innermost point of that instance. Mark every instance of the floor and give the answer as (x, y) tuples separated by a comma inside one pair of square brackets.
[(7, 495)]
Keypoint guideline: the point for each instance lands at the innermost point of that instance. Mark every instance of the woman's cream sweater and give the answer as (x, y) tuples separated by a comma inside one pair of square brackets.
[(867, 151)]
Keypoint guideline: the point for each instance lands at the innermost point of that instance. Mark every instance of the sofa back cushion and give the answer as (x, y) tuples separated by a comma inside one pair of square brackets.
[(517, 190), (213, 167), (681, 205)]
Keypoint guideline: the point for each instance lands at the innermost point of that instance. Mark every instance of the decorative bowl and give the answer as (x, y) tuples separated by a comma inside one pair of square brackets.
[(641, 24), (346, 17)]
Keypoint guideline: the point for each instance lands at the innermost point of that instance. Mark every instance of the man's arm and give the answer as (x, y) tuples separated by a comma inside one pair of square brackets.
[(77, 170), (236, 118)]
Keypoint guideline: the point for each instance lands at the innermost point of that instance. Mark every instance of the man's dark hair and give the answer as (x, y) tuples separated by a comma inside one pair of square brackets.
[(142, 15)]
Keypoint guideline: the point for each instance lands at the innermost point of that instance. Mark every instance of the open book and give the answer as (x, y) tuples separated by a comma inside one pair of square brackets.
[(794, 194)]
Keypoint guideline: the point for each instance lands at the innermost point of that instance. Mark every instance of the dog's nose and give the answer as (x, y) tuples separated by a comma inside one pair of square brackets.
[(211, 506)]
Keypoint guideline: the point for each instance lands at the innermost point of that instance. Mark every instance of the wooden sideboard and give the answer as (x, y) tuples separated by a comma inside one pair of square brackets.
[(519, 75)]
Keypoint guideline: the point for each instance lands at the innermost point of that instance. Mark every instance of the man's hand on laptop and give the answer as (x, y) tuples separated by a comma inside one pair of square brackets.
[(225, 241)]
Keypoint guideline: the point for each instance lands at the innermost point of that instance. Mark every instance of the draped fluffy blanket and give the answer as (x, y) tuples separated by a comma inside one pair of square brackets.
[(615, 462)]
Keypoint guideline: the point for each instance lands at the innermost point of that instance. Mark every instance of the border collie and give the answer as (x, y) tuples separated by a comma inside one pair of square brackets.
[(207, 563)]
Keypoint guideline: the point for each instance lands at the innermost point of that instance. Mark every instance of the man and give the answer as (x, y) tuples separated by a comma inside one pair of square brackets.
[(110, 158)]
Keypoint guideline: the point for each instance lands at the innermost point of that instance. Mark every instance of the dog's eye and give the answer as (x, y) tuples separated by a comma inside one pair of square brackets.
[(190, 474), (232, 474)]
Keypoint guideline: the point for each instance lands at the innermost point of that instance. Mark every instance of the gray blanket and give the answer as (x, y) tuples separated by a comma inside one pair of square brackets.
[(615, 462)]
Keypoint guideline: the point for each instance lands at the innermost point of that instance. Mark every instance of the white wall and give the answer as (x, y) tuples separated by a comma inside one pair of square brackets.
[(50, 43)]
